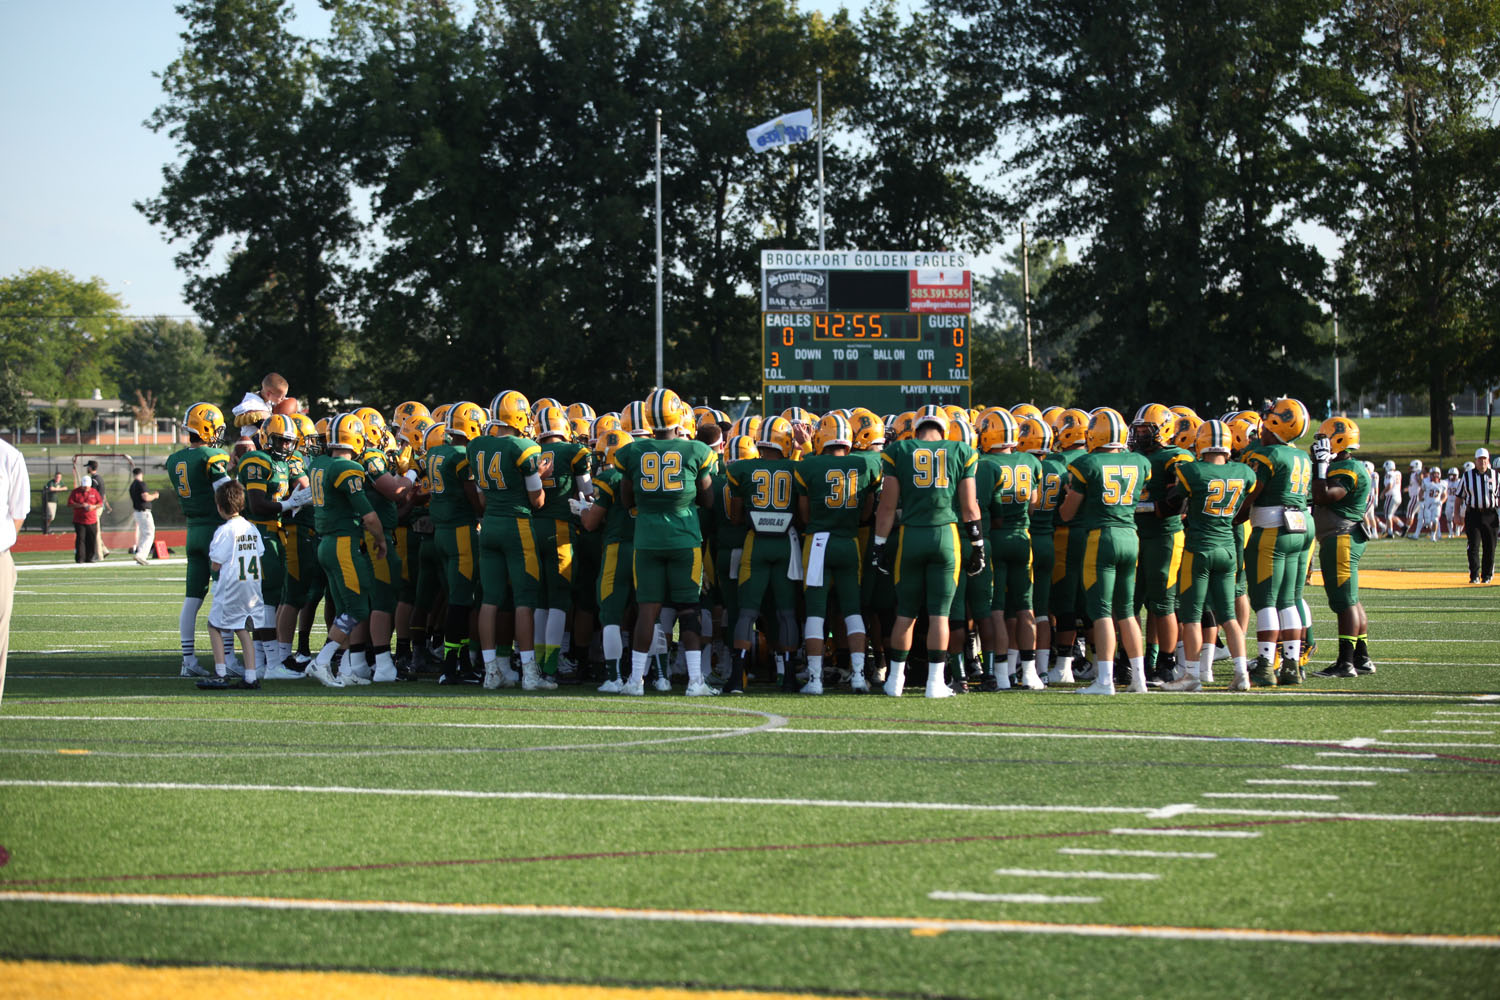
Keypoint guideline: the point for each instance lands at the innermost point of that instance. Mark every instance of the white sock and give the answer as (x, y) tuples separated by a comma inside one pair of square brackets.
[(658, 640), (228, 635), (1267, 650), (694, 659), (355, 662), (1137, 666), (249, 675), (1205, 670), (1012, 658), (187, 623), (857, 664), (1104, 672), (325, 655), (638, 663), (1043, 659), (1292, 649), (814, 666), (1064, 664), (557, 628), (528, 657), (565, 645), (1181, 653), (219, 669), (489, 657), (1240, 667), (614, 643), (383, 661), (261, 648)]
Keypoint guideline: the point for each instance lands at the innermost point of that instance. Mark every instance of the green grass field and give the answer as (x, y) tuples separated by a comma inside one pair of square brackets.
[(1334, 839)]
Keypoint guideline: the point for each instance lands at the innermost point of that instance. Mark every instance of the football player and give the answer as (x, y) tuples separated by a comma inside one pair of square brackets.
[(266, 477), (197, 471), (551, 525), (760, 496), (1161, 540), (616, 588), (1340, 491), (303, 584), (1008, 506), (930, 481), (455, 505), (1036, 440), (1103, 486), (389, 494), (1067, 546)]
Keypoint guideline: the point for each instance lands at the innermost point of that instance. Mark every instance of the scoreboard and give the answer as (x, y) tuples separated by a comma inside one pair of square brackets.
[(886, 330)]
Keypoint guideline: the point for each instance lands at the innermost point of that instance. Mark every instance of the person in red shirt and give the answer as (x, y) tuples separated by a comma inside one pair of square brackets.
[(86, 503)]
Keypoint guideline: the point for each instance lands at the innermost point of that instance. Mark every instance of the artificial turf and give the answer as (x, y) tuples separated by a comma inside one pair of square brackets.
[(413, 793)]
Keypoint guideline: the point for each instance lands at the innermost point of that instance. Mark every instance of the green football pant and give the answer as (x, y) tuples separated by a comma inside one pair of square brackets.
[(927, 569), (1156, 573), (1271, 560), (347, 574), (456, 551), (616, 583), (974, 597), (842, 574), (668, 576), (554, 553), (1206, 578), (510, 565), (763, 566), (1042, 558), (1108, 572), (272, 565), (386, 588), (1013, 581), (199, 537), (1338, 558)]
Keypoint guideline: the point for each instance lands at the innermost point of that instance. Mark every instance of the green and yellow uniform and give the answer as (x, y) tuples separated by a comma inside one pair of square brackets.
[(1275, 557), (728, 545), (1009, 514), (616, 586), (1161, 538), (193, 472), (304, 575), (453, 521), (836, 487), (928, 566), (259, 472), (1067, 555), (1110, 482), (408, 541), (1341, 533), (667, 561), (387, 589), (552, 525), (876, 591), (339, 505), (765, 487), (510, 565), (1050, 482), (975, 595), (1213, 495)]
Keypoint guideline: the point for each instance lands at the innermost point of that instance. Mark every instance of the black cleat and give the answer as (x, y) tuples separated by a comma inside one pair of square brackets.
[(991, 682), (240, 684), (214, 684), (1343, 668)]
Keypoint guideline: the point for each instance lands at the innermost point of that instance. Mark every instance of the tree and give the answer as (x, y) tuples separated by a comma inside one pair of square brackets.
[(165, 364), (999, 326), (55, 332), (258, 173), (1417, 192), (14, 412)]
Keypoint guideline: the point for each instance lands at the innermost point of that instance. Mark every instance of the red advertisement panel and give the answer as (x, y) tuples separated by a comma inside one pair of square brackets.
[(940, 290)]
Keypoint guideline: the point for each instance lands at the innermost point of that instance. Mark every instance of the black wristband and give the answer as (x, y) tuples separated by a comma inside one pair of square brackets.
[(975, 531)]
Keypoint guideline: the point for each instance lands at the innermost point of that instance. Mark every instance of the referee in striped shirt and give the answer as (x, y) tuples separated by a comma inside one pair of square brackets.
[(1480, 491)]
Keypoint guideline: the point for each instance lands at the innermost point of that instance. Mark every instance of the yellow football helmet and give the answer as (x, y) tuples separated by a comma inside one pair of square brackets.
[(1051, 415), (1342, 434), (206, 421), (748, 425), (798, 415), (277, 435), (540, 404), (466, 421), (833, 430), (635, 420), (405, 411), (661, 408), (1185, 432), (1287, 420), (1107, 430), (956, 414), (998, 429), (776, 432), (440, 412), (1034, 436), (414, 432), (960, 431), (740, 446), (1213, 437), (436, 434), (580, 429), (346, 431), (1152, 423), (904, 426), (930, 414), (603, 424), (584, 410), (307, 431), (551, 421), (371, 420), (511, 409), (1025, 410), (610, 442), (1246, 427), (1070, 430), (323, 426), (1185, 411), (867, 429)]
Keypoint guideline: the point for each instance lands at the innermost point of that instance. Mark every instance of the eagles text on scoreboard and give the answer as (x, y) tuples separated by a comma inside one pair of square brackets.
[(886, 330)]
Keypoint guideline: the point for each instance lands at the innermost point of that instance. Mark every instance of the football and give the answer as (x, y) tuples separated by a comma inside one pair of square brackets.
[(287, 406)]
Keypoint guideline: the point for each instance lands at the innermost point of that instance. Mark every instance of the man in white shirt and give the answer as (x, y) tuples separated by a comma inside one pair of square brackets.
[(15, 495), (1390, 500)]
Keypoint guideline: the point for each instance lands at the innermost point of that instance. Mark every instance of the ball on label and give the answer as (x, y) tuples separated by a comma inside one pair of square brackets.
[(287, 406)]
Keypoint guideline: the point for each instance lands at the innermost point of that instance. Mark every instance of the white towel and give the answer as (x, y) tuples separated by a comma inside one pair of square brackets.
[(815, 554), (794, 559), (734, 563)]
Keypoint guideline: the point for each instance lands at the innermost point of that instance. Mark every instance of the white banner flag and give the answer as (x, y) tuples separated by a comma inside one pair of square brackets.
[(783, 131)]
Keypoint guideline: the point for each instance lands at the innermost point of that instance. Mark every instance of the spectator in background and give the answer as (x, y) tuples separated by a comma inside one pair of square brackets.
[(15, 495), (145, 524), (86, 503), (51, 490), (92, 468), (1481, 492)]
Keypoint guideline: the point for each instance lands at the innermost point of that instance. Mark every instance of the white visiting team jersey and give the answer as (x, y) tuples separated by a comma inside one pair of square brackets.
[(238, 549), (1393, 483), (1433, 492)]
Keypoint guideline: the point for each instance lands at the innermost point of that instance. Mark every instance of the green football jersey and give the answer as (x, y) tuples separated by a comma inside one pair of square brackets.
[(727, 535), (448, 469), (1163, 461), (1352, 475), (1050, 481), (259, 471), (569, 461), (1285, 474), (929, 473), (836, 487), (1214, 495), (376, 464), (296, 468), (1110, 482), (339, 500), (193, 472), (619, 525), (1065, 458), (1020, 477), (500, 466), (663, 475), (764, 486)]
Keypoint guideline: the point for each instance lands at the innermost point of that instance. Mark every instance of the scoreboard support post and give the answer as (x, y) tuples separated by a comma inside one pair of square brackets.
[(884, 330)]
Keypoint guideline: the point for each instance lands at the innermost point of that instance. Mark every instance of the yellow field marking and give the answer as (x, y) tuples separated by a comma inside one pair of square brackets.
[(73, 751), (740, 918), (1392, 579), (47, 980)]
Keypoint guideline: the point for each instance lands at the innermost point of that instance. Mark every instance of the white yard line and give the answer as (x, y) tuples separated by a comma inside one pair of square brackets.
[(1115, 852), (1308, 781), (738, 918), (1402, 743), (1102, 876), (1123, 831), (332, 723), (1009, 897), (1310, 796), (1439, 732)]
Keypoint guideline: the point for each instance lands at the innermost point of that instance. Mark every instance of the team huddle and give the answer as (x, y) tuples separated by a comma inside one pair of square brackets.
[(524, 545)]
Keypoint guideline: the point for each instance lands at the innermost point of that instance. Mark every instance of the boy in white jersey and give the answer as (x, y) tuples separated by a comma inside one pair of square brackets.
[(1389, 515), (234, 557), (1433, 494)]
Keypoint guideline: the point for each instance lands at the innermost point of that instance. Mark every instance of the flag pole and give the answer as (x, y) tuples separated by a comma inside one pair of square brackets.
[(820, 159), (659, 274)]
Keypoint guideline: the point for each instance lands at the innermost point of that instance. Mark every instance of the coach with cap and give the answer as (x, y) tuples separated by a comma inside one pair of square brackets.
[(1478, 488)]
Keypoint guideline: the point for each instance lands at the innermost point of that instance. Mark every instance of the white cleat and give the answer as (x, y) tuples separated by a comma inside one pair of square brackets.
[(611, 687), (1099, 687), (633, 689), (1060, 675), (1029, 680), (1241, 682), (1183, 684), (895, 680), (508, 677), (533, 680), (492, 675), (384, 674), (348, 678), (278, 672), (234, 666), (191, 668), (322, 675), (939, 690), (814, 686), (858, 684), (700, 690), (662, 684), (364, 670)]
